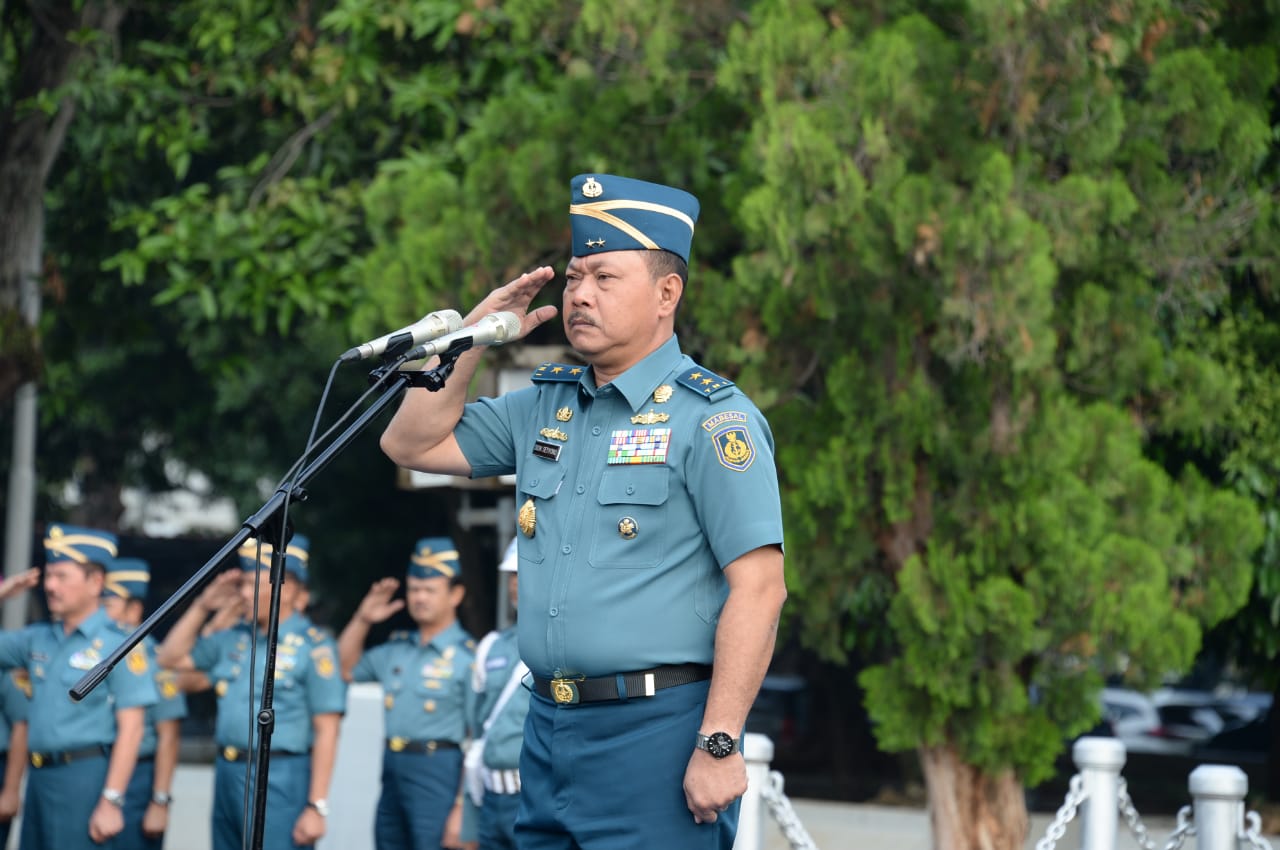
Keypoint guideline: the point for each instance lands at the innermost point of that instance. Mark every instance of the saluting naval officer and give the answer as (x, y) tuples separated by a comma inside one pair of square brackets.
[(146, 802), (82, 754), (492, 764), (651, 537), (309, 701), (426, 678)]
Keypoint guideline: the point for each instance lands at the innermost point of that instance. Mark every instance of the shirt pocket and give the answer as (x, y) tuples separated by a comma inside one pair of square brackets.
[(629, 528), (539, 481)]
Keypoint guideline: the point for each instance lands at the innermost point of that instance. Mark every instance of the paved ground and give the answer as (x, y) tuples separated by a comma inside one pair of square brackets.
[(832, 826)]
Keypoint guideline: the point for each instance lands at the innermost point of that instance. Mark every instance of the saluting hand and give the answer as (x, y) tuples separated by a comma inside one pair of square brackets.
[(515, 297), (377, 604), (711, 785), (19, 583), (222, 591)]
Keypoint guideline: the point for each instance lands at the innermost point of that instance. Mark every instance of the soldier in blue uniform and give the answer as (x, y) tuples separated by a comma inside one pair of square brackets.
[(426, 677), (15, 698), (651, 537), (81, 754), (493, 761), (146, 802), (309, 701)]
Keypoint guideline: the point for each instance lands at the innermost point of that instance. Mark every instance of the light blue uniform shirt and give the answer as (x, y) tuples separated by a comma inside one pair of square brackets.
[(307, 682), (56, 661), (171, 703), (644, 489), (15, 701), (506, 733), (427, 688)]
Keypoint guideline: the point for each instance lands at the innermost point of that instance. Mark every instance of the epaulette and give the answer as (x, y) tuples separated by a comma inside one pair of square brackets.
[(557, 372), (704, 382)]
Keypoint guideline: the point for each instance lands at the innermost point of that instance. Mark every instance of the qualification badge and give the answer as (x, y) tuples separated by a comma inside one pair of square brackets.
[(528, 517)]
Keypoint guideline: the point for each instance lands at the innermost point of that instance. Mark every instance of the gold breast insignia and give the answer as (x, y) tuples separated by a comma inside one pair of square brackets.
[(649, 418), (564, 414), (554, 434), (528, 517)]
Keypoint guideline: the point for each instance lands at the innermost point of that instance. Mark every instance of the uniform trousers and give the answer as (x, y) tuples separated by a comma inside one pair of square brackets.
[(610, 775), (136, 799), (60, 800), (288, 784), (497, 821), (418, 791)]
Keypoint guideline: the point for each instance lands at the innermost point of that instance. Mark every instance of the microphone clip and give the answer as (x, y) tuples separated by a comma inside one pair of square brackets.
[(430, 379)]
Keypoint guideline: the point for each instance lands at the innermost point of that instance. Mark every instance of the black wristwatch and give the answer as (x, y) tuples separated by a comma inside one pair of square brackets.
[(718, 744)]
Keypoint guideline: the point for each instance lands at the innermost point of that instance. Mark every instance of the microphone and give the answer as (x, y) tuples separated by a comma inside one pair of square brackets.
[(493, 329), (428, 327)]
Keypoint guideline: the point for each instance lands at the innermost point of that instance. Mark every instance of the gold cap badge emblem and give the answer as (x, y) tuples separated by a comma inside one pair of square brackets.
[(592, 188)]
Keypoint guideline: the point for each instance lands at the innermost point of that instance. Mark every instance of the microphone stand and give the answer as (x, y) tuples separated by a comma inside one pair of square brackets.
[(271, 518)]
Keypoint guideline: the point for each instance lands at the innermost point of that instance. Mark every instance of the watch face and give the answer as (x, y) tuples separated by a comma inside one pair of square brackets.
[(719, 744)]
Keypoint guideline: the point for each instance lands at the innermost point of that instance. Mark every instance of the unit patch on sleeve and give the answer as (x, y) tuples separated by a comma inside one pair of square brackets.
[(732, 439)]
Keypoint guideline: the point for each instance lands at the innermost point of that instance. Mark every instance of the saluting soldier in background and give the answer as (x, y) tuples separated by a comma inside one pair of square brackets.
[(82, 754), (309, 701), (426, 676), (146, 802)]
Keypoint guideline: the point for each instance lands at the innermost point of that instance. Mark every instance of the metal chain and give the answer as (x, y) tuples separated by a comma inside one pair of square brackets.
[(1253, 834), (1185, 829), (780, 807), (1131, 817), (1058, 827)]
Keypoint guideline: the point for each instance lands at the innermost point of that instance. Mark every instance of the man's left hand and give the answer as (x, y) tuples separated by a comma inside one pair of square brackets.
[(711, 785), (308, 828), (155, 821), (106, 822)]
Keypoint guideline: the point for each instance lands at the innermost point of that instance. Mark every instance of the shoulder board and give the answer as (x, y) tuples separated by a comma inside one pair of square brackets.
[(704, 382), (557, 372)]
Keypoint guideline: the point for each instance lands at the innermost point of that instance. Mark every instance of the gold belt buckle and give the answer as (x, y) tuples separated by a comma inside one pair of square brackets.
[(230, 753), (565, 691), (398, 744), (37, 759)]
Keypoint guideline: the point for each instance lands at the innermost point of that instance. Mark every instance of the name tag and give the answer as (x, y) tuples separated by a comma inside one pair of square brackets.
[(550, 451)]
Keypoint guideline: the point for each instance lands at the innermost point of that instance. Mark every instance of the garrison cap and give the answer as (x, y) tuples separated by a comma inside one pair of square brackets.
[(510, 559), (296, 555), (82, 545), (434, 556), (127, 578), (611, 213)]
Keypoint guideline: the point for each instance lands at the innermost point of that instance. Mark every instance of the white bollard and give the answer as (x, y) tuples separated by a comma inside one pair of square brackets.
[(1218, 793), (1099, 761), (758, 751)]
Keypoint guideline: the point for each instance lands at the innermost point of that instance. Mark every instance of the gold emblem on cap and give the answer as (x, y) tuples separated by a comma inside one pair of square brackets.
[(627, 528), (564, 414), (528, 517), (592, 188), (649, 418), (554, 434), (662, 394)]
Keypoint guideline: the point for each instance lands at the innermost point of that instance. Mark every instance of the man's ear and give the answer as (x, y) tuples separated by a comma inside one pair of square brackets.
[(670, 290)]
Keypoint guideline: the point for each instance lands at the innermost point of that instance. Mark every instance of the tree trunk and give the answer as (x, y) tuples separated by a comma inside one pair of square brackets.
[(969, 809), (29, 143)]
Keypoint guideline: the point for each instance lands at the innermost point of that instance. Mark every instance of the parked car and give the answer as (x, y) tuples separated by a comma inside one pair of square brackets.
[(1165, 722), (781, 709)]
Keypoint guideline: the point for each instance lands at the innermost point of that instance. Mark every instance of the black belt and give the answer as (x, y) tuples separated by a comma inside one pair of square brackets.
[(642, 683), (145, 759), (405, 745), (237, 754), (39, 760)]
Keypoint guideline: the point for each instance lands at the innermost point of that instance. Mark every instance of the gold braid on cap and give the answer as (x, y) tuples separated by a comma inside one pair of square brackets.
[(437, 561), (65, 545), (262, 552)]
